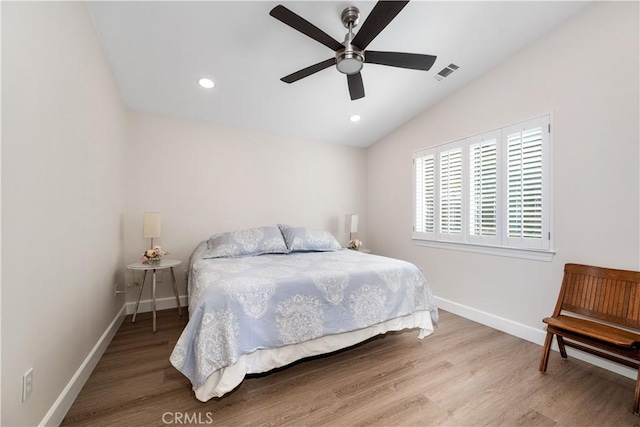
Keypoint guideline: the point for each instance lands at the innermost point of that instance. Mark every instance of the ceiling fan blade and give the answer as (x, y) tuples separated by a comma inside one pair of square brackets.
[(356, 88), (306, 72), (383, 13), (296, 22), (413, 61)]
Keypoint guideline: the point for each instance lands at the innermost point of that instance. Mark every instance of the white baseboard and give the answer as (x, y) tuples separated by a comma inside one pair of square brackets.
[(61, 406), (161, 304), (528, 333)]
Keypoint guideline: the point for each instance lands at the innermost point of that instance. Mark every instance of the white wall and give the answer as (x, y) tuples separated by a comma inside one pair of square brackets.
[(62, 200), (586, 73), (79, 170), (206, 178)]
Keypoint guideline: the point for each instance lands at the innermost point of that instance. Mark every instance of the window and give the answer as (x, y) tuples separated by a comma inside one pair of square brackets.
[(484, 211), (450, 200), (490, 190), (425, 194)]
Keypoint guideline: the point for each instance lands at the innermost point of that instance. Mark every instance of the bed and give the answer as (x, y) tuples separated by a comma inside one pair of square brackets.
[(265, 297)]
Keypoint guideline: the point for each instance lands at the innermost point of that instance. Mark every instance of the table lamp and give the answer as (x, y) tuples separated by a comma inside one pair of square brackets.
[(151, 226), (352, 224)]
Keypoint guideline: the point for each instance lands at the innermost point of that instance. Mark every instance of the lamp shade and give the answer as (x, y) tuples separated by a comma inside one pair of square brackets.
[(352, 223), (151, 225)]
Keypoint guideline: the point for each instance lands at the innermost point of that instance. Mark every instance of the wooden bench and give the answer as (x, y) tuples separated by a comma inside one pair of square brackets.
[(598, 311)]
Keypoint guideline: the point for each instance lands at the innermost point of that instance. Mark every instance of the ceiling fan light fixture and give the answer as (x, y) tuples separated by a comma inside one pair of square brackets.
[(349, 62), (206, 83)]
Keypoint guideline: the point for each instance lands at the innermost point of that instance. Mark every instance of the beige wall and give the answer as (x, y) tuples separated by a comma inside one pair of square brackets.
[(586, 73), (79, 170), (205, 178), (62, 200)]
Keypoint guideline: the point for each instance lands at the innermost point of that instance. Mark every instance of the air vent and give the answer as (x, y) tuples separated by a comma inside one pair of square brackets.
[(445, 72)]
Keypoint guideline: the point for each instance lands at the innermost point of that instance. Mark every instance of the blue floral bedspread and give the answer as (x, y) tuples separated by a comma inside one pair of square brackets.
[(239, 305)]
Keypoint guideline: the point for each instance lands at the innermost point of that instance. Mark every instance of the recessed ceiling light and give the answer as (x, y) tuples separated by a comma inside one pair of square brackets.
[(354, 118), (206, 83)]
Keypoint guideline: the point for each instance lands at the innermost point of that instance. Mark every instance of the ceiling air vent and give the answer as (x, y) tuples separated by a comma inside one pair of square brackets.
[(445, 72)]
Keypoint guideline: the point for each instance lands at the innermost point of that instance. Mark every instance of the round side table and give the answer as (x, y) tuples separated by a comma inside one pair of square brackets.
[(145, 267)]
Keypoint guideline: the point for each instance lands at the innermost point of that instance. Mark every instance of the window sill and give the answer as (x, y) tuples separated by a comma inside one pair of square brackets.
[(531, 254)]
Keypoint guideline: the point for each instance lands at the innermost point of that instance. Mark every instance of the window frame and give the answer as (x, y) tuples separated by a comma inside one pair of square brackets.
[(499, 244)]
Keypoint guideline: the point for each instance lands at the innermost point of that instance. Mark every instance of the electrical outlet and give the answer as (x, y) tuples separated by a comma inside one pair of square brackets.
[(127, 288), (27, 384)]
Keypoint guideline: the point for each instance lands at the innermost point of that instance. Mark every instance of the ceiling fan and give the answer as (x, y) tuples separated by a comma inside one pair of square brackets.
[(351, 54)]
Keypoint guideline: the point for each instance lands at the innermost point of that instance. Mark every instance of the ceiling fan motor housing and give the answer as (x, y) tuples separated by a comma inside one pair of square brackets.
[(350, 59)]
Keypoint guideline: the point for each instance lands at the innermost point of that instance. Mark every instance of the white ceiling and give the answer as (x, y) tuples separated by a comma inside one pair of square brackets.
[(158, 51)]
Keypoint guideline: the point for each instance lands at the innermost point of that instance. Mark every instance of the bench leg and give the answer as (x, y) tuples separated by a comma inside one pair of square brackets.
[(563, 351), (545, 352), (636, 396)]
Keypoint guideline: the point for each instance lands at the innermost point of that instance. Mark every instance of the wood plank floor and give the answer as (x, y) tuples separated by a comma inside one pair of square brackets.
[(465, 374)]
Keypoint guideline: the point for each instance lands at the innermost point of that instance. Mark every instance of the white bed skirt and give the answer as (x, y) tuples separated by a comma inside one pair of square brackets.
[(226, 379)]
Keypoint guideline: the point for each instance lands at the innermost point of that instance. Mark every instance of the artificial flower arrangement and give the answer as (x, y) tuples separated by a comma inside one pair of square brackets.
[(153, 255), (355, 244)]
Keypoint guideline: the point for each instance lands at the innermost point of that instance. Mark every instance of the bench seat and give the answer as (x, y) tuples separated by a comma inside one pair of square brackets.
[(597, 331)]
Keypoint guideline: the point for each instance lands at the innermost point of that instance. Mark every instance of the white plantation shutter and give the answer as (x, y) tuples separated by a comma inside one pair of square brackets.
[(424, 178), (484, 212), (490, 190), (526, 180), (450, 191)]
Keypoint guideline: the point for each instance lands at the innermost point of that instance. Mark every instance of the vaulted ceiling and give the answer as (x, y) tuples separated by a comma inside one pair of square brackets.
[(159, 50)]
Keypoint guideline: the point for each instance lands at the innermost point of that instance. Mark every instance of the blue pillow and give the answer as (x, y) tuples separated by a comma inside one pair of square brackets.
[(249, 242), (299, 239)]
